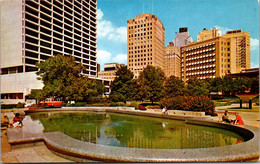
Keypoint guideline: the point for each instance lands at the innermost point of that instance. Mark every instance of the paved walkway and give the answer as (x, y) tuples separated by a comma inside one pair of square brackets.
[(249, 118), (42, 154), (36, 154)]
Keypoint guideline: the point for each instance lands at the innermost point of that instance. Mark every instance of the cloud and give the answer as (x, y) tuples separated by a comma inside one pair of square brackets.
[(254, 65), (99, 14), (223, 29), (254, 44), (120, 58), (103, 57), (106, 29)]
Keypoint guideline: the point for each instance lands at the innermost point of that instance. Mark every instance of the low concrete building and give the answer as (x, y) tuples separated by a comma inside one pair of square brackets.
[(110, 71)]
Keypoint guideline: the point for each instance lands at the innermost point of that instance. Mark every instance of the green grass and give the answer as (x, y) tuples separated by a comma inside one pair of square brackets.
[(229, 101), (254, 109), (222, 103)]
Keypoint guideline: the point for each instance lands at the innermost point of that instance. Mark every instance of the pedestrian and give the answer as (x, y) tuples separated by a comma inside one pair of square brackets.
[(17, 121), (238, 119), (225, 117), (164, 111)]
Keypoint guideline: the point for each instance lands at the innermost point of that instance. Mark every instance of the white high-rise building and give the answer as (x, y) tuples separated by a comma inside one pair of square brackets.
[(182, 38), (33, 31)]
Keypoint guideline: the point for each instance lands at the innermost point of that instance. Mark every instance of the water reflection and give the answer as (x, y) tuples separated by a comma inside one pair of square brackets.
[(32, 126), (135, 131)]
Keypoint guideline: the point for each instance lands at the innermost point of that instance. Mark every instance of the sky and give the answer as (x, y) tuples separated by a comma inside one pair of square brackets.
[(194, 14)]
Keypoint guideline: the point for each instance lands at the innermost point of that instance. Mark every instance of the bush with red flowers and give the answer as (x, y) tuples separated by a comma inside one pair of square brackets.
[(189, 103)]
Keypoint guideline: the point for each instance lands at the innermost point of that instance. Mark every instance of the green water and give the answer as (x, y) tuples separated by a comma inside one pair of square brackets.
[(135, 131)]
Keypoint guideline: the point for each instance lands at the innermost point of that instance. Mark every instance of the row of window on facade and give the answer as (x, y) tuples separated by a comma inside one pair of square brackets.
[(140, 55), (68, 6), (138, 26), (138, 64), (12, 96)]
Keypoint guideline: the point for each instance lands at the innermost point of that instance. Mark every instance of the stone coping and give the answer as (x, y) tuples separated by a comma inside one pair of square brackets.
[(20, 136), (64, 144)]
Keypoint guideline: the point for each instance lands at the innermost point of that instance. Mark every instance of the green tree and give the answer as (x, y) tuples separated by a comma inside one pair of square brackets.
[(37, 94), (216, 84), (255, 85), (197, 87), (227, 85), (123, 87), (62, 78), (174, 86), (150, 82)]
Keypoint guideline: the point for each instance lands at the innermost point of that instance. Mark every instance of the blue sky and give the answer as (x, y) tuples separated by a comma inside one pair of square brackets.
[(194, 14)]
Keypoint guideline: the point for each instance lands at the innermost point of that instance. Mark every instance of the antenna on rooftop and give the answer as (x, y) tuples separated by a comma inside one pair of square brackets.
[(152, 6), (143, 6)]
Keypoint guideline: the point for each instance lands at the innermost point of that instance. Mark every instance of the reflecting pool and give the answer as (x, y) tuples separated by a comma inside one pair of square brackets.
[(134, 131)]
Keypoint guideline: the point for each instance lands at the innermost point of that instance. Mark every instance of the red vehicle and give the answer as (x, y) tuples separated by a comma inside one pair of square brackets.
[(48, 104), (141, 107)]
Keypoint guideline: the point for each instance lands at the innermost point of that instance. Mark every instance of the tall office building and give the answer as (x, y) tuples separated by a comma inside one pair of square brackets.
[(172, 61), (216, 57), (33, 31), (145, 43), (182, 38), (208, 34)]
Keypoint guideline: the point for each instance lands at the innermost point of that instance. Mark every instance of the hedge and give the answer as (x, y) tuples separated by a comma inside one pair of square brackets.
[(189, 103)]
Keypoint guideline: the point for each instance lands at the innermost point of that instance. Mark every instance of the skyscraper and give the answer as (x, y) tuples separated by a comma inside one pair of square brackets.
[(217, 56), (33, 31), (145, 43)]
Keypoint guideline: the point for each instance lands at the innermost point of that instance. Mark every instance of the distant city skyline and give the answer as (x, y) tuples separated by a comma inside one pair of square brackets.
[(194, 14)]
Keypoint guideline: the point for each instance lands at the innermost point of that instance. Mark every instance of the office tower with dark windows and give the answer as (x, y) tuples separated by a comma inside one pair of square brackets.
[(34, 30)]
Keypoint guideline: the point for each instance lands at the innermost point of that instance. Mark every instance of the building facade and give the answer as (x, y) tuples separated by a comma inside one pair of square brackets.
[(172, 61), (216, 57), (33, 31), (208, 34), (109, 71), (182, 38), (145, 43)]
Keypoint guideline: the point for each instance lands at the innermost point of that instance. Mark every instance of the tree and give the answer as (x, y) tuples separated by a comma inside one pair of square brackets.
[(255, 85), (174, 86), (216, 84), (150, 82), (196, 87), (37, 94), (123, 87), (62, 78)]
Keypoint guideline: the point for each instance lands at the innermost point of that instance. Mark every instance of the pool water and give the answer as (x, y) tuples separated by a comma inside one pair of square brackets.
[(132, 131)]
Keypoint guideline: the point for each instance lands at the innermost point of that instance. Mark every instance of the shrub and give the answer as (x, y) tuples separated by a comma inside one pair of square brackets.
[(134, 104), (8, 106), (80, 104), (68, 104), (64, 104), (189, 103), (20, 105), (117, 104), (98, 104), (153, 107)]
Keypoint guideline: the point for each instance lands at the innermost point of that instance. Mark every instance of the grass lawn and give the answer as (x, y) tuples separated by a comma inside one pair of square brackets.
[(229, 101), (254, 109)]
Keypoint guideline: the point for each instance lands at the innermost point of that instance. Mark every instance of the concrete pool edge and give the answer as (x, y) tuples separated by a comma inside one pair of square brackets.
[(248, 150)]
